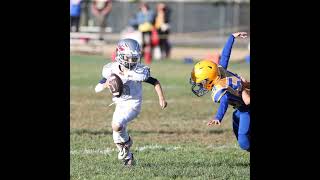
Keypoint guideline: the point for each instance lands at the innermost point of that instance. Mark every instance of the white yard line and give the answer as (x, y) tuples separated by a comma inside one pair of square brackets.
[(107, 102), (108, 151)]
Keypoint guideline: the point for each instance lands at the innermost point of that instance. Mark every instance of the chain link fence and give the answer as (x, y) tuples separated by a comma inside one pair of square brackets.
[(186, 17), (193, 22)]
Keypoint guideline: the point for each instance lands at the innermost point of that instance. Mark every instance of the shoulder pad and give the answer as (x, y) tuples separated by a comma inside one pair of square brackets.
[(107, 70), (142, 69), (217, 93)]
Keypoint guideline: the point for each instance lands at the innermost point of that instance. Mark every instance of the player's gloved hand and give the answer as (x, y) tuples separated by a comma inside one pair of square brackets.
[(163, 103), (240, 34), (213, 122)]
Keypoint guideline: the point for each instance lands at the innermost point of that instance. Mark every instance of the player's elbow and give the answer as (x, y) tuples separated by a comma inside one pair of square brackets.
[(156, 83), (152, 81)]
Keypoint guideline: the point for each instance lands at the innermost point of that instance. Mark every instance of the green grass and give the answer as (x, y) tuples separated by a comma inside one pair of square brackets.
[(174, 143)]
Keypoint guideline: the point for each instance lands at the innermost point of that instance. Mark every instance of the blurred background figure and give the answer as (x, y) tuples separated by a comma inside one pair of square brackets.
[(131, 33), (144, 20), (162, 21), (101, 10), (215, 57), (75, 11), (179, 29), (248, 56)]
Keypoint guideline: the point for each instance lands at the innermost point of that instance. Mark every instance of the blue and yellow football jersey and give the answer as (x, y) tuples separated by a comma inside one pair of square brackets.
[(228, 90), (229, 83)]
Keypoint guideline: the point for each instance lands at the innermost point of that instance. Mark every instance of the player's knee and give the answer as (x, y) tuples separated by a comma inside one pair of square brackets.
[(116, 127), (244, 142)]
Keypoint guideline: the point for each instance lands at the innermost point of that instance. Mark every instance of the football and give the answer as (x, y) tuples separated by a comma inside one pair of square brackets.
[(116, 85)]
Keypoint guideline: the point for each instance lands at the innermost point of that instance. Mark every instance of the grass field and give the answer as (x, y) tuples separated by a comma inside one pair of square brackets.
[(174, 143)]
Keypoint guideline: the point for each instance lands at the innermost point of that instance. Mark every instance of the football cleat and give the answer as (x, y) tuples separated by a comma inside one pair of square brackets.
[(129, 162), (125, 147)]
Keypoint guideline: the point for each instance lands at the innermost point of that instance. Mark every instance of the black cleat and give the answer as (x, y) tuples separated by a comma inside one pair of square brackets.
[(129, 162)]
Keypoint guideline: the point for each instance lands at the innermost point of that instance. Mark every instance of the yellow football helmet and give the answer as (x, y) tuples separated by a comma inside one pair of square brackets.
[(204, 75)]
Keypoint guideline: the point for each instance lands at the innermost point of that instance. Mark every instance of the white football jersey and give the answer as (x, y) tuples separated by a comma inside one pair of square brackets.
[(132, 81)]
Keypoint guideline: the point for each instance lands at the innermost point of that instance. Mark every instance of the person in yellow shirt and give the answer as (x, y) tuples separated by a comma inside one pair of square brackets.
[(162, 25)]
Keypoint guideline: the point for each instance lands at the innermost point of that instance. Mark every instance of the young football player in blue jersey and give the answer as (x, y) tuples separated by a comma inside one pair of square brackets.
[(227, 89), (128, 105)]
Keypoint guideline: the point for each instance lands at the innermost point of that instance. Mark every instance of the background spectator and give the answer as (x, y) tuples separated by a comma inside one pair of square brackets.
[(162, 21), (101, 9), (75, 12), (144, 20)]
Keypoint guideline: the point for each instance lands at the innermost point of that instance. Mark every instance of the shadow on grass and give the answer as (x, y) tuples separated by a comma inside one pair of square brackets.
[(193, 164), (242, 164), (216, 131), (178, 132), (90, 132)]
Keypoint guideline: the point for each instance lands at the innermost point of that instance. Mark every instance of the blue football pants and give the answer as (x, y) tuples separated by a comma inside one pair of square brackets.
[(241, 128)]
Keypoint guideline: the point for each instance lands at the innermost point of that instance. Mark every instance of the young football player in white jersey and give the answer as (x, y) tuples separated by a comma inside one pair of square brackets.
[(132, 73)]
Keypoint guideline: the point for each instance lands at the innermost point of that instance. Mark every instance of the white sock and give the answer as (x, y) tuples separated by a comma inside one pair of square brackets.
[(120, 136)]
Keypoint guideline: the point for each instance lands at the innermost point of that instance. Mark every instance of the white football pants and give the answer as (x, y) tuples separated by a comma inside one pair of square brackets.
[(123, 114)]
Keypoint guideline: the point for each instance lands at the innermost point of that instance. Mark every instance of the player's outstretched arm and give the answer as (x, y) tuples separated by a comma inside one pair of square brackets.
[(240, 34), (162, 101), (226, 52), (221, 111), (157, 86)]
